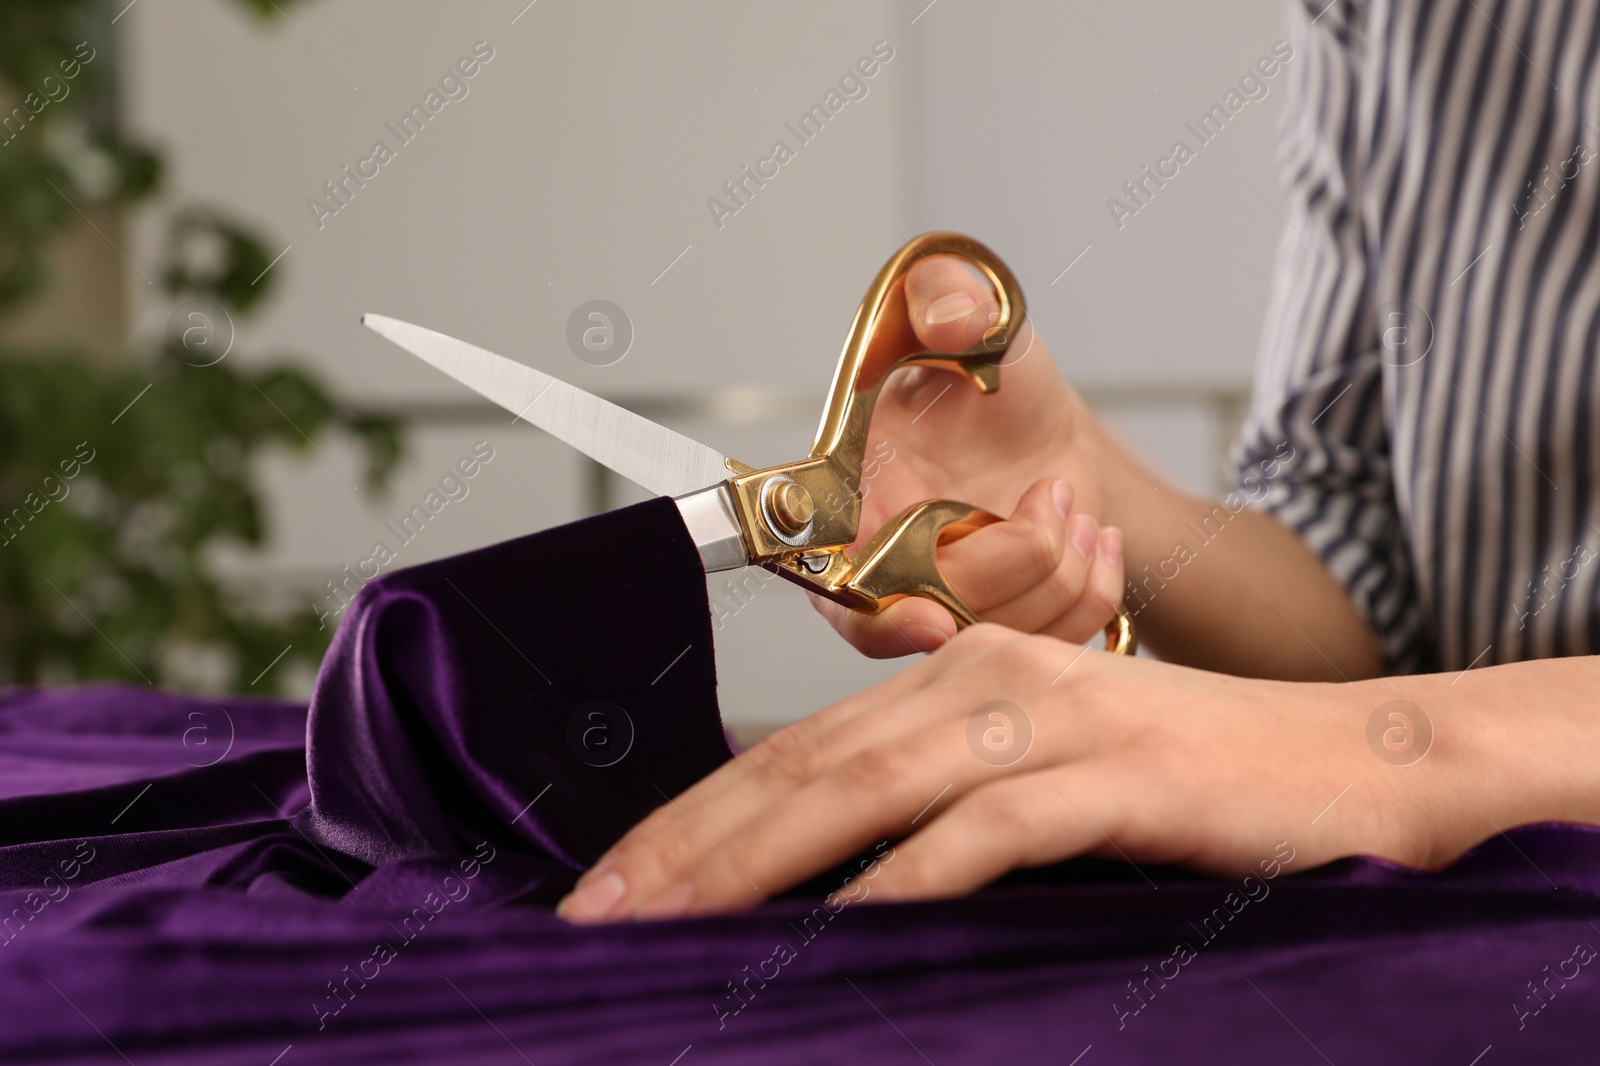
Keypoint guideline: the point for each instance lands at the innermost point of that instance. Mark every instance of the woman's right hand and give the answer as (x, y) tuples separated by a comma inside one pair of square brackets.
[(1029, 451)]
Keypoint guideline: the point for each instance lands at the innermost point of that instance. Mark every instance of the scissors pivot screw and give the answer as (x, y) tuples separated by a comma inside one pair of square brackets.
[(792, 505)]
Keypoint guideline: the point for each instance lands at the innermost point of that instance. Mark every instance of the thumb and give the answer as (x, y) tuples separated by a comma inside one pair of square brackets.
[(949, 303)]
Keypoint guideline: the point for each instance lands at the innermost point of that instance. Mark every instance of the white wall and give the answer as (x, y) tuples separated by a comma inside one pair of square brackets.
[(588, 147), (1033, 113)]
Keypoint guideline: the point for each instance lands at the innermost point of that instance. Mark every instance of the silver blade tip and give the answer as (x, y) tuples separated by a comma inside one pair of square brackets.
[(390, 329)]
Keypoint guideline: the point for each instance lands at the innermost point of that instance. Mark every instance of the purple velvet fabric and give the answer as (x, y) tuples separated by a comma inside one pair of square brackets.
[(189, 880)]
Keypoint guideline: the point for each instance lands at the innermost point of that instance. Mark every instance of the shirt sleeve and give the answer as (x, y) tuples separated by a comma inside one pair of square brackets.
[(1314, 447)]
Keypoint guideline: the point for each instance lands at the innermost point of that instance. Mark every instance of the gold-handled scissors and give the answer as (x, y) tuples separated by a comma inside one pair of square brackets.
[(796, 519)]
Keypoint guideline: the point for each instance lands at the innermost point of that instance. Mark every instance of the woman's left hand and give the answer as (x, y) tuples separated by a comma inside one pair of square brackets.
[(1005, 750)]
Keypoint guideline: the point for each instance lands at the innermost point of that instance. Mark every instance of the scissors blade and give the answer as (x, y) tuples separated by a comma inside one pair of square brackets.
[(648, 454)]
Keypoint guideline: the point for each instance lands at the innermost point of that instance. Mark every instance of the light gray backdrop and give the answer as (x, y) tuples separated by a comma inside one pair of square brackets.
[(578, 167)]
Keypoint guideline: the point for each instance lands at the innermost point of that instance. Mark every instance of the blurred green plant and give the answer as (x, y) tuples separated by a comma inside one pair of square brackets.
[(112, 572)]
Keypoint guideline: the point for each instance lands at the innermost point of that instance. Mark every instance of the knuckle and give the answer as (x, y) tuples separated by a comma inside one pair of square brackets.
[(1038, 552), (1092, 615), (795, 755), (1018, 656), (786, 743), (1071, 577), (914, 877), (876, 770), (1012, 812), (667, 855), (792, 770), (1084, 622), (1138, 832), (1068, 592)]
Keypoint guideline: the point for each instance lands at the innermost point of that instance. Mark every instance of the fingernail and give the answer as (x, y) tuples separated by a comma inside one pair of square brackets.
[(1112, 549), (673, 903), (948, 308), (1061, 496), (594, 901), (1081, 531)]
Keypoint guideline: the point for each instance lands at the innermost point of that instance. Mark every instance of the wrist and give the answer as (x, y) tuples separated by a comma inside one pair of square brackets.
[(1126, 493), (1509, 747), (1412, 749), (1373, 772)]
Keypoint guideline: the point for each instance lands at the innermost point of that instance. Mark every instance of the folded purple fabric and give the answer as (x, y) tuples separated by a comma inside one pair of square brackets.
[(188, 880), (548, 692)]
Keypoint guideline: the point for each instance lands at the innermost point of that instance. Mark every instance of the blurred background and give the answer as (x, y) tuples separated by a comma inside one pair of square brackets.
[(185, 256)]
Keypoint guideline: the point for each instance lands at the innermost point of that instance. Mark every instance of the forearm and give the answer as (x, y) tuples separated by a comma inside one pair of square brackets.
[(1251, 600), (1225, 587)]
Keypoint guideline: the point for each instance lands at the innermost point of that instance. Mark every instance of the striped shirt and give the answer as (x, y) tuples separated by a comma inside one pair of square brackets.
[(1429, 351)]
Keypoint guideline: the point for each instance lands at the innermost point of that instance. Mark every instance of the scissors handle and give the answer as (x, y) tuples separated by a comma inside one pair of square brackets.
[(800, 518), (901, 560), (880, 341)]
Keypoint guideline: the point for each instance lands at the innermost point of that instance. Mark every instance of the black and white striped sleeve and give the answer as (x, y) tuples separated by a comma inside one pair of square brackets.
[(1314, 448)]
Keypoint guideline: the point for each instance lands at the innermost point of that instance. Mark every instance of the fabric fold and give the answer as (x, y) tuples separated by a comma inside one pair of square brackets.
[(545, 693)]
